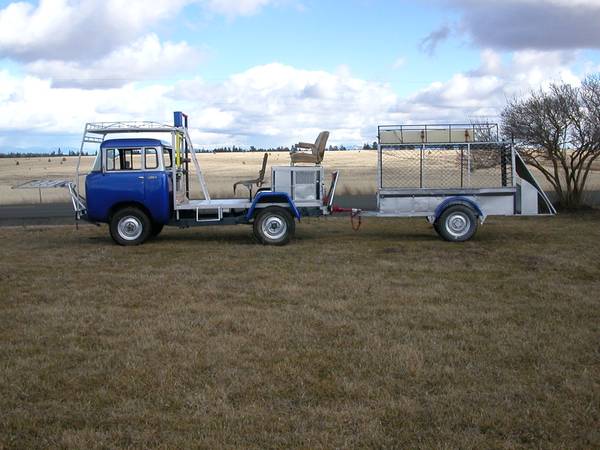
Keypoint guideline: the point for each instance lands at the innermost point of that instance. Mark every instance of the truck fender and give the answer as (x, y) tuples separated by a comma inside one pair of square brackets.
[(451, 201), (272, 197)]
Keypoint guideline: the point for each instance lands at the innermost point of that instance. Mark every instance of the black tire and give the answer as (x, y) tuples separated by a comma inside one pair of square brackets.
[(457, 223), (156, 229), (130, 226), (274, 226)]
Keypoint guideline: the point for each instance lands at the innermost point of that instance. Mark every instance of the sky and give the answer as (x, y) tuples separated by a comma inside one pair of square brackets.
[(275, 72)]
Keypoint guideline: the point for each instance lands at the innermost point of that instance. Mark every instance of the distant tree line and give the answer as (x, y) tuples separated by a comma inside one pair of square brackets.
[(53, 153), (232, 149), (252, 148)]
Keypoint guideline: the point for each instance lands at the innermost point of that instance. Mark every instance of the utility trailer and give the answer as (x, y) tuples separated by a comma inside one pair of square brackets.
[(455, 176), (138, 185)]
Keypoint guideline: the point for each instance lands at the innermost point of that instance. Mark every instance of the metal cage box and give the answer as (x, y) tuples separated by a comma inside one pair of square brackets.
[(304, 184)]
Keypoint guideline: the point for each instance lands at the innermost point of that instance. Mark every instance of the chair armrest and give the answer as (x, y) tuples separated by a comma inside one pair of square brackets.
[(304, 145)]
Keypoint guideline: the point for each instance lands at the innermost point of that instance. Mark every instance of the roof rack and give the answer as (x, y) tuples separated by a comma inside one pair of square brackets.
[(104, 128)]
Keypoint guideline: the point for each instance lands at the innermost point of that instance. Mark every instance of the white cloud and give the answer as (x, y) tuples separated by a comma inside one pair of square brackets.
[(145, 59), (274, 104), (103, 43), (277, 104), (77, 30), (232, 8), (81, 30), (482, 93), (32, 105), (286, 104)]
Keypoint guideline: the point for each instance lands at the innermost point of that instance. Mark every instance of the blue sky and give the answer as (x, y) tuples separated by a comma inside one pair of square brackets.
[(274, 72)]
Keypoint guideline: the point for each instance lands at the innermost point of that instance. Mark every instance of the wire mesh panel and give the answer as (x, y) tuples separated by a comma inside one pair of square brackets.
[(401, 167), (490, 165), (443, 167), (454, 166)]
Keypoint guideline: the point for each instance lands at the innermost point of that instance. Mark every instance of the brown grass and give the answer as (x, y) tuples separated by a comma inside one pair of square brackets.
[(384, 338)]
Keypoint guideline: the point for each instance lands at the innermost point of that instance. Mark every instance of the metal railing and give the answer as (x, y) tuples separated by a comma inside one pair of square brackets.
[(438, 134)]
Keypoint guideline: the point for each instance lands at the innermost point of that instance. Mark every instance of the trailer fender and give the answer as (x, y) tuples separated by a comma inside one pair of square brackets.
[(457, 201), (272, 197)]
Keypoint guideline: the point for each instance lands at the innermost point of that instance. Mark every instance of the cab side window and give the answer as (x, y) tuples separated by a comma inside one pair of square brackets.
[(151, 158), (168, 158), (123, 159)]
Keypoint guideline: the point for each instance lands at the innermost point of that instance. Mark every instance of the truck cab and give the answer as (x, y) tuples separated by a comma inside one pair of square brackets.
[(131, 172)]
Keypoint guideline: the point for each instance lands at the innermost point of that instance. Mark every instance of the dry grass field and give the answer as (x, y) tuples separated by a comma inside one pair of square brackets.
[(221, 170), (385, 338)]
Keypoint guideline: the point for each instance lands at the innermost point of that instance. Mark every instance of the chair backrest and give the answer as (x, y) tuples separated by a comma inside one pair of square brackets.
[(320, 145), (261, 174)]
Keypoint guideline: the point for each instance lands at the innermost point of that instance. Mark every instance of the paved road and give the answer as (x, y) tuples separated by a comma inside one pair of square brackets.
[(40, 214), (62, 213)]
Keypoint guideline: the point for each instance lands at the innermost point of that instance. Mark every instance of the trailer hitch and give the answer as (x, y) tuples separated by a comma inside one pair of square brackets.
[(355, 215)]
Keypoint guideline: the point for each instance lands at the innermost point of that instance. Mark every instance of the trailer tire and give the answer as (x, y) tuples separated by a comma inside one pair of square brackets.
[(274, 226), (130, 226), (457, 223)]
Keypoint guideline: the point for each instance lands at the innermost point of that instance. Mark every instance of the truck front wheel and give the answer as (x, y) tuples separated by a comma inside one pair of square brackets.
[(274, 226), (130, 226)]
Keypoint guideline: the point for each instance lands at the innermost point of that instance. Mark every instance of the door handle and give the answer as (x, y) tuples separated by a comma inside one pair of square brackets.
[(141, 178), (152, 177)]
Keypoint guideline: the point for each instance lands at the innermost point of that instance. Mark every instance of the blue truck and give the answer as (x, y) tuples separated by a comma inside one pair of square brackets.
[(138, 185)]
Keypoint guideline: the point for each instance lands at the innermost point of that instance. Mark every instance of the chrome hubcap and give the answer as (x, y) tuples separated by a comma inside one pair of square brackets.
[(130, 228), (274, 227), (458, 224)]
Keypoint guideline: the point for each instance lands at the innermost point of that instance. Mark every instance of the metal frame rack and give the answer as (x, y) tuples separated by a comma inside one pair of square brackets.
[(438, 134), (409, 160)]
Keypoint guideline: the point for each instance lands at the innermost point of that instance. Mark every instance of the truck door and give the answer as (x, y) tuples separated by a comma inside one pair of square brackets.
[(120, 181), (125, 176), (156, 185)]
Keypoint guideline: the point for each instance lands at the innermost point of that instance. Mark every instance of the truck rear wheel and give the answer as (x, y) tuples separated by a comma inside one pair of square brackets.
[(274, 226), (457, 223), (130, 226)]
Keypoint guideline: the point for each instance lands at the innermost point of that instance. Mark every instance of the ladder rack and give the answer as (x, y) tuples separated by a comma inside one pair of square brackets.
[(95, 133)]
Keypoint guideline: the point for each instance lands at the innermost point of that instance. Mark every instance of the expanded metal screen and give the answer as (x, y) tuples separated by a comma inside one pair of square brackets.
[(466, 166)]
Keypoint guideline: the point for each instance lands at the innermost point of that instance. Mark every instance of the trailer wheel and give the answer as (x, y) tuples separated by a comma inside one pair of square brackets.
[(130, 226), (457, 223), (274, 226)]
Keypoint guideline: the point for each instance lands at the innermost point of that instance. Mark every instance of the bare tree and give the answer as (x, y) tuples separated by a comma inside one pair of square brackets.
[(558, 132)]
